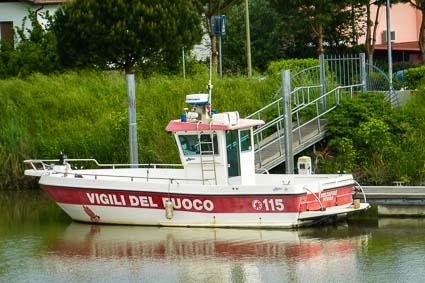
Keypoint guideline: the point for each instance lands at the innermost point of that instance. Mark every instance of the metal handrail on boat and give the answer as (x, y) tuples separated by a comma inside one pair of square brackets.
[(49, 167), (316, 197), (82, 175), (44, 163), (361, 189), (264, 170)]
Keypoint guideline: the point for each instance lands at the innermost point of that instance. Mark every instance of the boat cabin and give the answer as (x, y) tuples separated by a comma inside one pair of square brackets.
[(217, 149)]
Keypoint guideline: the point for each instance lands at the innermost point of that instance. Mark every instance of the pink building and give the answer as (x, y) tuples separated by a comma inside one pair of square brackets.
[(405, 22)]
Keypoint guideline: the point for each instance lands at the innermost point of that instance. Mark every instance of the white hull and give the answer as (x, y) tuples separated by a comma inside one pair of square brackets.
[(129, 216), (91, 196)]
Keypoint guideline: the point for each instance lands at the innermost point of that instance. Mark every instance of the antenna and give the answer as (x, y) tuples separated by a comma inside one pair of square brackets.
[(210, 86), (210, 67)]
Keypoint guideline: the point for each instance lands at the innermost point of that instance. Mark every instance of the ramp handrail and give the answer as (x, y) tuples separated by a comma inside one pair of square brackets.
[(322, 107)]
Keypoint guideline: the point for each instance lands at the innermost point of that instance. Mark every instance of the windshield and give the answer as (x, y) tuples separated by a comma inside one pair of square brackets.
[(190, 144)]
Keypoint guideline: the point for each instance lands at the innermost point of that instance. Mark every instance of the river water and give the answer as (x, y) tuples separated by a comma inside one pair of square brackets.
[(38, 243)]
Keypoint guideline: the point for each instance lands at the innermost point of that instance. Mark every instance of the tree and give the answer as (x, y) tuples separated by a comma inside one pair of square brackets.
[(363, 133), (35, 49), (123, 33), (210, 8), (372, 24), (315, 14), (420, 5), (269, 40), (345, 27), (371, 27)]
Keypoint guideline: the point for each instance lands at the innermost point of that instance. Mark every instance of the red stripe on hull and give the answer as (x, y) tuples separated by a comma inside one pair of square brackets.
[(200, 203), (328, 198)]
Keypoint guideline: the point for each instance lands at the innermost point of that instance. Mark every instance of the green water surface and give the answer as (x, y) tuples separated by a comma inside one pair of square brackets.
[(39, 243)]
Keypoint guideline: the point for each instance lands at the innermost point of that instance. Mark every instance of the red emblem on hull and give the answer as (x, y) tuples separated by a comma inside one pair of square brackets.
[(93, 216)]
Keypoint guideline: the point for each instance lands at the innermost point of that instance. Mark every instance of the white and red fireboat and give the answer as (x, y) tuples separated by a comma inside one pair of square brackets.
[(215, 185)]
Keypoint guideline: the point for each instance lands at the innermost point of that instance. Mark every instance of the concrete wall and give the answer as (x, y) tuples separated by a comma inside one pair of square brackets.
[(401, 210), (396, 200)]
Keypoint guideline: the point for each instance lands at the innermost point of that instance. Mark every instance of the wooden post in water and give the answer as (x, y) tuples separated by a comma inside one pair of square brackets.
[(286, 92)]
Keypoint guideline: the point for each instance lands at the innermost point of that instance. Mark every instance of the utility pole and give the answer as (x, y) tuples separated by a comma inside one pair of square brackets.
[(248, 40), (286, 93), (132, 124), (390, 59)]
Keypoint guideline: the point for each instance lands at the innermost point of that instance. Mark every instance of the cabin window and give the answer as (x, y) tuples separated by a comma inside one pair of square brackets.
[(190, 144), (232, 147), (245, 140)]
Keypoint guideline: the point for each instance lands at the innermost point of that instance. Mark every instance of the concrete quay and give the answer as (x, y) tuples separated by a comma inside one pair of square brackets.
[(396, 200)]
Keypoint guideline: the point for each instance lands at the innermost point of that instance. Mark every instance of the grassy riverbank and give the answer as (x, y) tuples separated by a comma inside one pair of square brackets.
[(85, 116)]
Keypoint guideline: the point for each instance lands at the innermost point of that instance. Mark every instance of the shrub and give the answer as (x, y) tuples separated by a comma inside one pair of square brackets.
[(34, 52), (414, 77), (294, 65)]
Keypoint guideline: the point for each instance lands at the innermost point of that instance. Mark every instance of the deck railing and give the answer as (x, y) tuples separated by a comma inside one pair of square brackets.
[(49, 165)]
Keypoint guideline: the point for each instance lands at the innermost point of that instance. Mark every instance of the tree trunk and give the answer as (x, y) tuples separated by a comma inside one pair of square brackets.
[(371, 35), (214, 53), (319, 39), (375, 28), (422, 36), (213, 41), (368, 41), (128, 66)]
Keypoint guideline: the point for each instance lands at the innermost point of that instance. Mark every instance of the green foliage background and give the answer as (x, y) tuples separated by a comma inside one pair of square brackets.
[(85, 115), (35, 51), (414, 77), (124, 33), (45, 110), (294, 65), (377, 142)]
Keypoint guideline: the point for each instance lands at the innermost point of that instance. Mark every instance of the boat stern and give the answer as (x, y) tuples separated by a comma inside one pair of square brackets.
[(346, 209)]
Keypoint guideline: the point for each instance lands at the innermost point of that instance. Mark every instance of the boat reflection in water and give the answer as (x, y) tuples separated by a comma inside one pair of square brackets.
[(154, 254)]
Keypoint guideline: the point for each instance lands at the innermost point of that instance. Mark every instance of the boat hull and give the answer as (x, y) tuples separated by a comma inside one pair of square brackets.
[(133, 207)]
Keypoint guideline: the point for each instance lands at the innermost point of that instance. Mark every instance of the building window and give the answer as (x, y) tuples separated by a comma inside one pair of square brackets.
[(6, 31)]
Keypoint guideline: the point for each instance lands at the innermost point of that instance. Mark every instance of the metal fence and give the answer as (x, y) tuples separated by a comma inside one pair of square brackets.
[(313, 92)]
